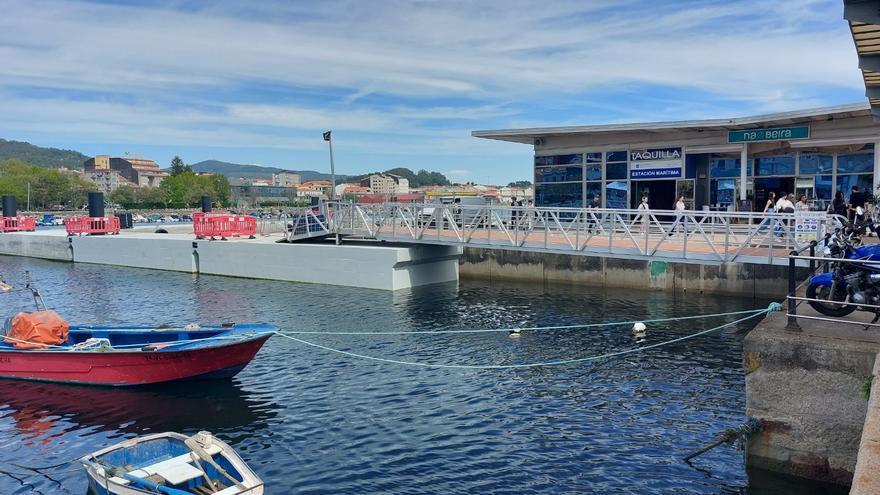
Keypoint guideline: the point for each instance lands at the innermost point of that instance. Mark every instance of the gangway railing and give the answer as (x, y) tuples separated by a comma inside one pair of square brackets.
[(690, 236)]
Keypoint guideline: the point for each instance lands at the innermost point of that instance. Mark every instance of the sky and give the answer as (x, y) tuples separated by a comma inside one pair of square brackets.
[(402, 83)]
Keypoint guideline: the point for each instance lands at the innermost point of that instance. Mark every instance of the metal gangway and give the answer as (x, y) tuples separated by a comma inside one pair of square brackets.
[(705, 237)]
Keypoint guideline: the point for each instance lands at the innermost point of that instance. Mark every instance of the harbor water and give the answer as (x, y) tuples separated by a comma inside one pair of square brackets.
[(311, 421)]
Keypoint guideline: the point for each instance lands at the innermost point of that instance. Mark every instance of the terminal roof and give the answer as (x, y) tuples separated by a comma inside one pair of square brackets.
[(864, 24), (528, 136)]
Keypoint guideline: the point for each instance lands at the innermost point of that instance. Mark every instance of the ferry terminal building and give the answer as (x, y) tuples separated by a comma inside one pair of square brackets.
[(725, 164)]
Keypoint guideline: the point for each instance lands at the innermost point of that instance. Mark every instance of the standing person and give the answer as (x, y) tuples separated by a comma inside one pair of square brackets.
[(643, 208), (593, 220), (770, 207), (802, 204), (680, 207), (838, 206), (856, 200)]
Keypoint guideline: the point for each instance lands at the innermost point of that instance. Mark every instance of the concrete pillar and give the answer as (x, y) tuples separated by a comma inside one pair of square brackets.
[(743, 176)]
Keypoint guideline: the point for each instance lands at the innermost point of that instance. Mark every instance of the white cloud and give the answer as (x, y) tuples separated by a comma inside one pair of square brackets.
[(400, 76)]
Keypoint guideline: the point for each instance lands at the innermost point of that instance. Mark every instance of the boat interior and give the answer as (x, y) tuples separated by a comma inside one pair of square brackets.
[(170, 463)]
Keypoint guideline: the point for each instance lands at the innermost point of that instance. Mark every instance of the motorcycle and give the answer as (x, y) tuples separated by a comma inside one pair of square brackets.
[(847, 282)]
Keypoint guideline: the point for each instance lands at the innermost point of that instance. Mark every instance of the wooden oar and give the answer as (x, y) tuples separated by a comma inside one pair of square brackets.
[(195, 447)]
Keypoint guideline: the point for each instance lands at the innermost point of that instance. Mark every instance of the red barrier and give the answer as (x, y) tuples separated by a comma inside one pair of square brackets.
[(91, 225), (18, 224), (223, 225)]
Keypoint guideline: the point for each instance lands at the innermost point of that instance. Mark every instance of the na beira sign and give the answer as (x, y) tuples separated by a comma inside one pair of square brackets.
[(773, 134), (655, 163)]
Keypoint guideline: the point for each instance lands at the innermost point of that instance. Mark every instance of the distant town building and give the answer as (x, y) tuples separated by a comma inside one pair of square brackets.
[(286, 179), (244, 181), (321, 187), (519, 193), (254, 196), (136, 171), (386, 184), (107, 180)]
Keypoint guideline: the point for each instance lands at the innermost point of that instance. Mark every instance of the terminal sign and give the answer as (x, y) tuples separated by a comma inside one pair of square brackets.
[(655, 163), (775, 134)]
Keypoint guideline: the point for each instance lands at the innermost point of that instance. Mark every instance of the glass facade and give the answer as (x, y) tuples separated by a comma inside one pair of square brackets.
[(572, 180), (569, 195), (774, 165)]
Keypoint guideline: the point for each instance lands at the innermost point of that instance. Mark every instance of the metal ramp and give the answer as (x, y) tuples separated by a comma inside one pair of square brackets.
[(307, 224)]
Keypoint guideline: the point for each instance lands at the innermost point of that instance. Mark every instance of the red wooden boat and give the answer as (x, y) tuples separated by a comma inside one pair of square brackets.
[(123, 356)]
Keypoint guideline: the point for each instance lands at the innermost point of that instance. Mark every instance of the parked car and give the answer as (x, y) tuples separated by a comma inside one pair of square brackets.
[(138, 218)]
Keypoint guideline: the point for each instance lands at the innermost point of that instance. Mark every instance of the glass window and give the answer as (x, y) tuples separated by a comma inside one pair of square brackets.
[(616, 156), (593, 189), (815, 164), (594, 157), (723, 192), (615, 194), (855, 162), (615, 171), (846, 182), (728, 167), (775, 165), (560, 173), (823, 187), (594, 170), (562, 195), (541, 161)]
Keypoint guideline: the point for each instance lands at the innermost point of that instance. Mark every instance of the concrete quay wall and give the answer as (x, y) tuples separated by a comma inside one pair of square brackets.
[(742, 279), (806, 389), (866, 479), (353, 264), (36, 245)]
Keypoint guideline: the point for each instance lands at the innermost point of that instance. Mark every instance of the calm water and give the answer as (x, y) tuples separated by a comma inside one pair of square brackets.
[(309, 421)]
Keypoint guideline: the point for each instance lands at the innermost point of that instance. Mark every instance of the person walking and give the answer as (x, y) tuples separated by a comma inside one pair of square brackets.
[(802, 204), (784, 205), (593, 220), (643, 215), (680, 208)]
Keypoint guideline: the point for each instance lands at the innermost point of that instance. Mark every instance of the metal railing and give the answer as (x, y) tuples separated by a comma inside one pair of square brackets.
[(695, 236)]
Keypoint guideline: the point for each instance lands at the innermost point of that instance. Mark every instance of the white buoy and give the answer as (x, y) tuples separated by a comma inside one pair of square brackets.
[(639, 328), (514, 333)]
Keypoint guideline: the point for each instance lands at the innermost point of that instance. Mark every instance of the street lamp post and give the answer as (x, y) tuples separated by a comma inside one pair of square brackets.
[(328, 138)]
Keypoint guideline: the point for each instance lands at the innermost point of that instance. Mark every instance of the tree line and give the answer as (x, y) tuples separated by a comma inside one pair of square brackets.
[(60, 189), (47, 188), (182, 189)]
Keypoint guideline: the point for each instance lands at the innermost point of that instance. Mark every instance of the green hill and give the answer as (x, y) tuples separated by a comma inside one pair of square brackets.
[(237, 170), (44, 157)]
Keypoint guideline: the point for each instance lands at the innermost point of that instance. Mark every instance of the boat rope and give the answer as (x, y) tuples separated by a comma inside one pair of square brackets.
[(729, 436), (553, 327), (752, 314)]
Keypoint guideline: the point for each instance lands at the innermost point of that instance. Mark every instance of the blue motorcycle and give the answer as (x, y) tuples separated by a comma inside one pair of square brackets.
[(855, 283)]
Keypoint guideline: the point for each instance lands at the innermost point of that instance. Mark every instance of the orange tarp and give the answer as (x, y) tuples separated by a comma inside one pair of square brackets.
[(40, 327)]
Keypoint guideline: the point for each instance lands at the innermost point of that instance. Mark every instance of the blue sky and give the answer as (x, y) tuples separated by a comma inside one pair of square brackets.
[(401, 83)]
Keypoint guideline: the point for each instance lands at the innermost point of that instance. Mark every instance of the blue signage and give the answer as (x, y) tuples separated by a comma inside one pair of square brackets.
[(655, 163), (655, 173)]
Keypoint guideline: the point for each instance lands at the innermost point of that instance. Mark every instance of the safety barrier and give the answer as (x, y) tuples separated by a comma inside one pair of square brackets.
[(223, 225), (91, 225), (18, 224)]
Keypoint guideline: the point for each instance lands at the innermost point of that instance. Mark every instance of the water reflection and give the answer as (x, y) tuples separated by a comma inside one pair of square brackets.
[(39, 410)]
